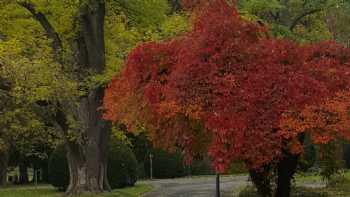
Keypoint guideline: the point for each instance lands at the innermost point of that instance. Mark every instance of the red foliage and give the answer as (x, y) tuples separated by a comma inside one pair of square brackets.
[(228, 87)]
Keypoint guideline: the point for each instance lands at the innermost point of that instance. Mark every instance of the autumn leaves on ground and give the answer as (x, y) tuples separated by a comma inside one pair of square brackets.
[(105, 87)]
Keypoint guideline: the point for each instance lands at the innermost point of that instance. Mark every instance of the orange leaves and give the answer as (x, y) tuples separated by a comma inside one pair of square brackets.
[(193, 111), (168, 109), (325, 121), (295, 147)]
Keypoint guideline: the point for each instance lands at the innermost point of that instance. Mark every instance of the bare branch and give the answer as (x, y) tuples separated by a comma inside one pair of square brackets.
[(303, 15)]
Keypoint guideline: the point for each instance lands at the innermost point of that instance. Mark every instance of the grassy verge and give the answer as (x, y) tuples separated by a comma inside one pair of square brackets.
[(48, 191), (339, 186), (312, 186)]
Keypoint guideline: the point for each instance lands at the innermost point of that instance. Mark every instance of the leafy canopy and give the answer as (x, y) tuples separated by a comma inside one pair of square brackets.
[(228, 88)]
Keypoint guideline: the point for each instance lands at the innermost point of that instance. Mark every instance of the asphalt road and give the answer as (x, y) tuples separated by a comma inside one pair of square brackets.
[(196, 186)]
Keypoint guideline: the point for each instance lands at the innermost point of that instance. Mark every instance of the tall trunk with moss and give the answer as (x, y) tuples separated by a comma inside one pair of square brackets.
[(87, 157)]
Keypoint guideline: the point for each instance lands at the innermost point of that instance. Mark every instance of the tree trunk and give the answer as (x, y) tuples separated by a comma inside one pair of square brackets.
[(262, 182), (23, 173), (88, 161), (286, 169), (87, 157), (3, 167)]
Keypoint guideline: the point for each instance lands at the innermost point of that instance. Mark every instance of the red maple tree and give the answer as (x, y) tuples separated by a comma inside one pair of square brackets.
[(228, 88)]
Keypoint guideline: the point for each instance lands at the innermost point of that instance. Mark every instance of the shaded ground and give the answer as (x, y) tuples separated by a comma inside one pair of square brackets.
[(196, 186)]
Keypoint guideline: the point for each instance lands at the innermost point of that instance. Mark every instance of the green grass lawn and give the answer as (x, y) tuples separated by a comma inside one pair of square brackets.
[(312, 185), (339, 186), (48, 191)]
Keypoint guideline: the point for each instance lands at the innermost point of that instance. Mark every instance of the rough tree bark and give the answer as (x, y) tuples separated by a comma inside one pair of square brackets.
[(3, 167), (88, 162), (87, 157)]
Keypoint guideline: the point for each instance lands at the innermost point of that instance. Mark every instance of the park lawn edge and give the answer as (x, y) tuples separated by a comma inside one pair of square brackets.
[(48, 191)]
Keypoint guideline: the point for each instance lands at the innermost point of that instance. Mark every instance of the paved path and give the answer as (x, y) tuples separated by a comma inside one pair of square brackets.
[(196, 186)]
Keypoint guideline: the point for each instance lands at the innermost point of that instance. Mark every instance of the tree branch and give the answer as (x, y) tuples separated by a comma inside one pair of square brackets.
[(299, 18), (2, 37), (49, 30), (274, 16)]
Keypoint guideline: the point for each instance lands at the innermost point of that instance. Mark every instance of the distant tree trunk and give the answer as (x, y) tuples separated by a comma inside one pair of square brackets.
[(3, 167), (262, 182), (23, 173), (44, 173)]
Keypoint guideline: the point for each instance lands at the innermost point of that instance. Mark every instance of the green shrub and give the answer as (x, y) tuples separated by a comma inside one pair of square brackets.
[(296, 192), (248, 191), (332, 160), (237, 167), (58, 169), (338, 181), (122, 166), (165, 165), (202, 167), (347, 154)]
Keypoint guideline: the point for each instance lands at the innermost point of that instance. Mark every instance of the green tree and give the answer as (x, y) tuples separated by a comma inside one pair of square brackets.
[(301, 20), (59, 55), (4, 99), (338, 21)]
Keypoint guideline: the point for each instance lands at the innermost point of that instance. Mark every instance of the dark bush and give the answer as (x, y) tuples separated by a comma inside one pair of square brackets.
[(58, 169), (347, 154), (141, 174), (122, 166), (165, 165), (308, 158)]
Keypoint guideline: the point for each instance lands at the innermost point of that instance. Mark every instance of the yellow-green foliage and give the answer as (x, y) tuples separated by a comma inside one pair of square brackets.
[(27, 61)]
